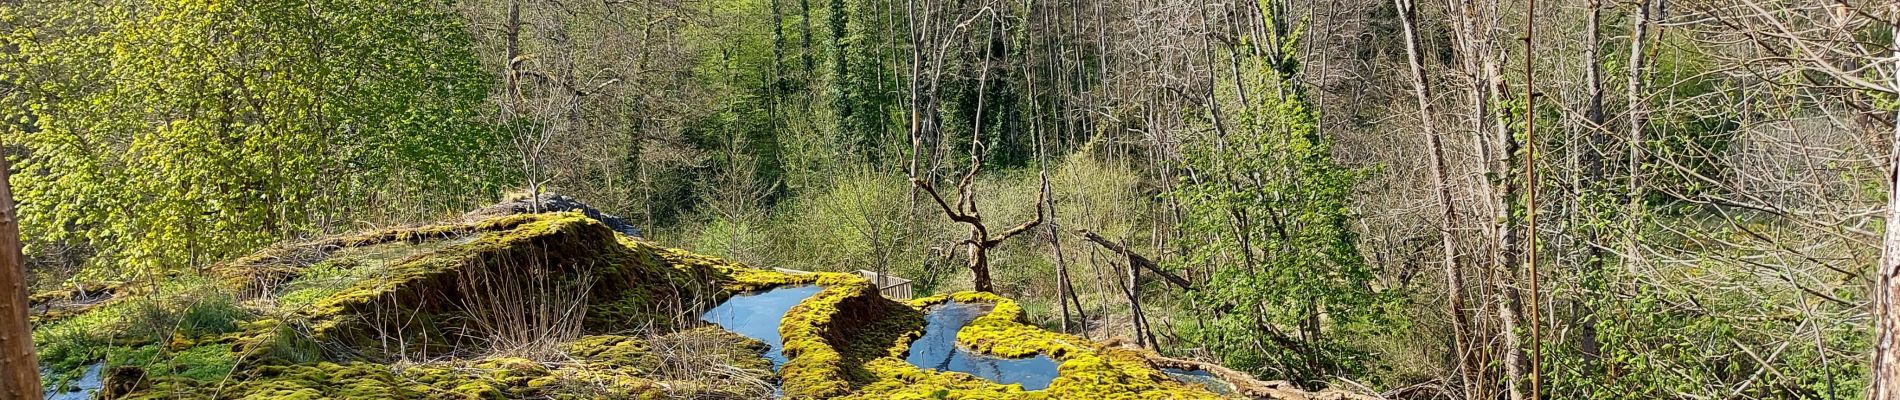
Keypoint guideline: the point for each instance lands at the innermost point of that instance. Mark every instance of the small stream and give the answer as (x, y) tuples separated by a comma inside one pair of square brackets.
[(756, 315), (937, 349), (82, 388), (1199, 377)]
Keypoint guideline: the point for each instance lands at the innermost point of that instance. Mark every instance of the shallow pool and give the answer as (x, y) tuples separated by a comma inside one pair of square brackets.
[(937, 349), (82, 388), (756, 315)]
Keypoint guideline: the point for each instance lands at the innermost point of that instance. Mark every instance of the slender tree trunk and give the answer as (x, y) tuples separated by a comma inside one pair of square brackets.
[(1497, 147), (1140, 322), (1454, 279), (1509, 231), (1530, 197), (19, 368), (1637, 115), (1593, 168), (1886, 367)]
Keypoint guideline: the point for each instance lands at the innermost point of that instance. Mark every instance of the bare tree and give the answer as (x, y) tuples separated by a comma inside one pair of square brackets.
[(1479, 53), (1454, 279), (1591, 158), (1135, 259), (1639, 26), (981, 240)]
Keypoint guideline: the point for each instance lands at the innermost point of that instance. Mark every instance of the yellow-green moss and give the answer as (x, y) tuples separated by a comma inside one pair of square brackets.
[(603, 366), (1088, 370)]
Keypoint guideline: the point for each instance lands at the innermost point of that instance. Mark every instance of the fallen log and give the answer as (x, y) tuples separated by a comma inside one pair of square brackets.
[(1137, 259)]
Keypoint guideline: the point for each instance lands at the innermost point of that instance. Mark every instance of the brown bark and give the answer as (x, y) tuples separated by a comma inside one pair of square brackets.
[(19, 367)]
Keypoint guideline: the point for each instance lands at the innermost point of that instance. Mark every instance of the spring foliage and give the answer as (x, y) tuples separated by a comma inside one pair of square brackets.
[(1268, 209), (167, 132)]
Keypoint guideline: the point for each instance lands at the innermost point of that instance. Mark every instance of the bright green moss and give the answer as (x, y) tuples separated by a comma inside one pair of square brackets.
[(206, 362)]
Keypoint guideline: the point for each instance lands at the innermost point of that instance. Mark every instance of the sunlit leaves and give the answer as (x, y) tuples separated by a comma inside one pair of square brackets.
[(166, 133)]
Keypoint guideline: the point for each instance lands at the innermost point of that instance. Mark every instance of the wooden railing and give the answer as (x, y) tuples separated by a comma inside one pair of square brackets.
[(891, 287)]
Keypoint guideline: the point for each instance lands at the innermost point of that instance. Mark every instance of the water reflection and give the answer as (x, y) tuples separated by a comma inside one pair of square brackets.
[(937, 349), (756, 315)]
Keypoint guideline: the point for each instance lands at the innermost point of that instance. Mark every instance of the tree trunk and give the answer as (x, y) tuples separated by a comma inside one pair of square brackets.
[(1594, 178), (1530, 196), (1632, 216), (1509, 231), (1454, 279), (980, 267), (1886, 367), (19, 368), (1140, 322)]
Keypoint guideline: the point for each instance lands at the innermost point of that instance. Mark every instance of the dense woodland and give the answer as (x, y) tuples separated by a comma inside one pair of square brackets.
[(1461, 199)]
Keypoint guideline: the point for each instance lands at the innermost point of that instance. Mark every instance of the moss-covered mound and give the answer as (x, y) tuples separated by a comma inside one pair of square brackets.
[(552, 305), (508, 307), (832, 337), (553, 272)]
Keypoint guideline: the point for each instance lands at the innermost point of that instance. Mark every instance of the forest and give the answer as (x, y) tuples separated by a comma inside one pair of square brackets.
[(1275, 199)]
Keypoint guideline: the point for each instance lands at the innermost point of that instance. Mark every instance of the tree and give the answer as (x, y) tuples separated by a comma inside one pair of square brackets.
[(1886, 374), (1454, 279), (981, 240), (19, 369), (191, 130), (1271, 194)]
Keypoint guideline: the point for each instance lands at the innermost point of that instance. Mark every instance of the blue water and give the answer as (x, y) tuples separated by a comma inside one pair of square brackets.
[(1199, 377), (756, 315), (937, 349), (82, 388)]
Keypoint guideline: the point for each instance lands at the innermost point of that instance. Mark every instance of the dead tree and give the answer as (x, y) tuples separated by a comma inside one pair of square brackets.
[(980, 241), (1136, 260)]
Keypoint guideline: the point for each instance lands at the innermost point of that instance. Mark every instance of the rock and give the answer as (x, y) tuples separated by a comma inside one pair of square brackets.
[(551, 202), (122, 381)]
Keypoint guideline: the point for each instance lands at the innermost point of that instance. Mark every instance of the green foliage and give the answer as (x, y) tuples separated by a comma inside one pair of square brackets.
[(170, 133), (1269, 212)]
